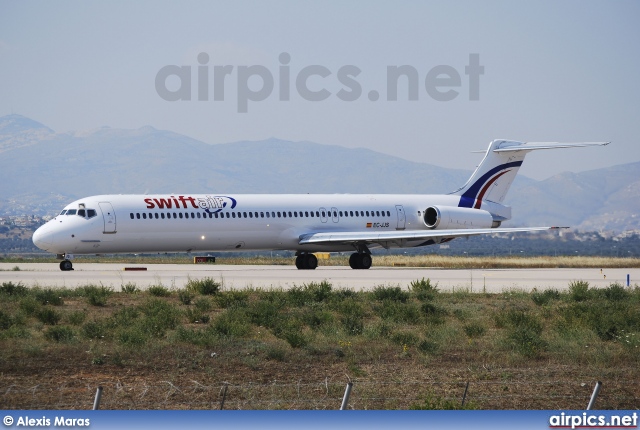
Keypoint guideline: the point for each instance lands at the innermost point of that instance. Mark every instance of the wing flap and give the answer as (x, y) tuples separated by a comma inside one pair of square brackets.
[(387, 236)]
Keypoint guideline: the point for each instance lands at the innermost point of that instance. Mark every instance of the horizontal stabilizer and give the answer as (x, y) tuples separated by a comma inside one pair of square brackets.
[(510, 146)]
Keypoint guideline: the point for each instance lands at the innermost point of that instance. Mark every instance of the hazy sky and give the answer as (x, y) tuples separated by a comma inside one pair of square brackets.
[(548, 71)]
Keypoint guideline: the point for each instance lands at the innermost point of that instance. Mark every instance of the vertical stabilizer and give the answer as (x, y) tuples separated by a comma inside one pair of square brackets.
[(495, 174)]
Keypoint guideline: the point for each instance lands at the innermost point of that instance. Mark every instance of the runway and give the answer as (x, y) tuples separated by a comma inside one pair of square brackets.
[(268, 277)]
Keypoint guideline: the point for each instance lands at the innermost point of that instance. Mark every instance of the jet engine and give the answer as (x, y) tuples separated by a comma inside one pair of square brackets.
[(450, 217)]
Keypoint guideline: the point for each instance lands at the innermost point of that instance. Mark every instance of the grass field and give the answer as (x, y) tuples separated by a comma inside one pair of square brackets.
[(296, 349)]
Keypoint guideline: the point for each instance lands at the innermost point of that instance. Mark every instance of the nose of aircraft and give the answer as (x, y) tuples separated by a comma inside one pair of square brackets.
[(43, 237)]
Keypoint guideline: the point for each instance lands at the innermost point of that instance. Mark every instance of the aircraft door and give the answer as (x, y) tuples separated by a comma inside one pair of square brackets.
[(334, 215), (109, 217), (402, 218), (323, 214)]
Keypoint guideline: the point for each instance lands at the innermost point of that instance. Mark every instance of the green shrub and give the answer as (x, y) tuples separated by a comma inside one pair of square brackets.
[(96, 296), (129, 288), (428, 347), (524, 332), (205, 286), (135, 336), (76, 317), (405, 338), (94, 330), (579, 290), (423, 289), (265, 313), (314, 292), (159, 291), (196, 317), (29, 305), (159, 316), (48, 315), (545, 297), (125, 316), (390, 293), (398, 312), (203, 304), (59, 334), (230, 299), (474, 330), (291, 330), (11, 289), (352, 317), (185, 297), (232, 323), (49, 297), (5, 321), (616, 292)]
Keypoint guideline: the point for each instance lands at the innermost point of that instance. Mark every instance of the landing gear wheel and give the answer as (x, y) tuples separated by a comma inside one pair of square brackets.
[(66, 265), (311, 262), (360, 261), (354, 261), (306, 262), (365, 261)]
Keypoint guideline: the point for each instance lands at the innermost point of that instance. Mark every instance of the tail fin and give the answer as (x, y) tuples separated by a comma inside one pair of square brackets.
[(495, 174)]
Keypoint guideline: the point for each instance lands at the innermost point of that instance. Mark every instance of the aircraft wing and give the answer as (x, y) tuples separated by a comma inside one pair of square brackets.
[(383, 237)]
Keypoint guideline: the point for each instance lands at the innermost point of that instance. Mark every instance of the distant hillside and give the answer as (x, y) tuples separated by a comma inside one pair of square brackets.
[(43, 170)]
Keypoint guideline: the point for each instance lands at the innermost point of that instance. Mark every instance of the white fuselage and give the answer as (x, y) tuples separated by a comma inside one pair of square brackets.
[(208, 222)]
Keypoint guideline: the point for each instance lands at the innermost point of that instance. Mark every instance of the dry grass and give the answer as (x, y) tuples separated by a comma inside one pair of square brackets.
[(430, 260)]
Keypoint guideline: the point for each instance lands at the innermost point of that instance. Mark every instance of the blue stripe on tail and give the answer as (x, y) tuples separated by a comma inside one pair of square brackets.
[(468, 198)]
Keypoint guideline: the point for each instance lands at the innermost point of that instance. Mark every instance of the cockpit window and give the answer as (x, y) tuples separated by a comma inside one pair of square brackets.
[(63, 212), (91, 213), (81, 212), (71, 212)]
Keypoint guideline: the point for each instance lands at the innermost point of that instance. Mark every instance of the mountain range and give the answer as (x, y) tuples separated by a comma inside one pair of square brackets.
[(43, 170)]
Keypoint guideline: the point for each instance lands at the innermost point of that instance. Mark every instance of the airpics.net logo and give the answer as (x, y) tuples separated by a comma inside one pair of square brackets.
[(212, 82)]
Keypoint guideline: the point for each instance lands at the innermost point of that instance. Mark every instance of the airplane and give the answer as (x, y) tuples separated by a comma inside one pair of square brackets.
[(304, 223)]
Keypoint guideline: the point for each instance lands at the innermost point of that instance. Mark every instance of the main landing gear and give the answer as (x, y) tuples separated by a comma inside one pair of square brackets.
[(306, 261), (360, 260)]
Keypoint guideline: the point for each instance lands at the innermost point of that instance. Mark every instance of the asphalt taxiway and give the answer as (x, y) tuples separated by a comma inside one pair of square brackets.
[(267, 277)]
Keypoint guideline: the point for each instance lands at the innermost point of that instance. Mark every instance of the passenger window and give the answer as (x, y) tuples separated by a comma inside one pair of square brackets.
[(180, 215), (233, 214), (250, 214), (131, 215), (138, 215), (261, 214), (289, 214), (278, 214), (273, 214), (267, 214), (162, 215)]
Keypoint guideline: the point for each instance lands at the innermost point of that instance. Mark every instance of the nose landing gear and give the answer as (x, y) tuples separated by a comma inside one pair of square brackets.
[(66, 265)]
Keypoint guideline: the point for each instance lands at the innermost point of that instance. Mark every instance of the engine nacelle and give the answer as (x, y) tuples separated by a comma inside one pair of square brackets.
[(450, 217)]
